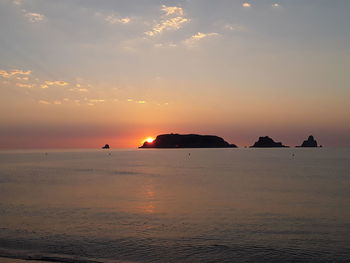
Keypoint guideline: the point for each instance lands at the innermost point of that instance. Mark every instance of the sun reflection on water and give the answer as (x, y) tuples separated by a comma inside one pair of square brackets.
[(148, 195)]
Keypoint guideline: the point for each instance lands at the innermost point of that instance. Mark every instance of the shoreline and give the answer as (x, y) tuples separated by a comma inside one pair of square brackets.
[(16, 260), (34, 258), (29, 257)]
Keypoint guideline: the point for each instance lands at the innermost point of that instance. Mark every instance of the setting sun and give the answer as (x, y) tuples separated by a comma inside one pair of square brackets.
[(149, 139)]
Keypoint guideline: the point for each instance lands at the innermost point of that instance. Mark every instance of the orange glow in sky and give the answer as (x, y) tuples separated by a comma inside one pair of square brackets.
[(170, 73)]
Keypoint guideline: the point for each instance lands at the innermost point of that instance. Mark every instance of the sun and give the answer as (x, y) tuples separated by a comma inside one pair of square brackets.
[(149, 139)]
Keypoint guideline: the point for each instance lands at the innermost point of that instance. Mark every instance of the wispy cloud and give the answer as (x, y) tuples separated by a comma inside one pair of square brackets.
[(92, 102), (24, 85), (173, 20), (172, 10), (200, 35), (83, 90), (17, 2), (33, 17), (22, 78), (79, 88), (44, 102), (113, 19), (247, 5), (56, 83), (169, 24), (197, 37), (167, 45), (136, 101), (96, 100), (276, 5), (14, 72), (235, 27)]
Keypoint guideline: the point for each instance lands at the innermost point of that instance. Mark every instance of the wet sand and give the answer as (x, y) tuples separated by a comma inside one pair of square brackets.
[(12, 260)]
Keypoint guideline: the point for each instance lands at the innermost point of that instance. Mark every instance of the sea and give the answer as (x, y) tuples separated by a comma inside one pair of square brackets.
[(176, 205)]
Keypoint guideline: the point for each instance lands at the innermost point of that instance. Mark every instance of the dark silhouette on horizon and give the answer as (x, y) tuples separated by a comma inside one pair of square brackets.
[(267, 142), (187, 141), (310, 142), (106, 146)]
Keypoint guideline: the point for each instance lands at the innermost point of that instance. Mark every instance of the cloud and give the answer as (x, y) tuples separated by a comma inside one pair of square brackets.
[(91, 102), (172, 10), (112, 19), (125, 20), (44, 102), (17, 2), (137, 101), (57, 102), (173, 20), (197, 37), (200, 35), (276, 5), (22, 78), (174, 23), (247, 5), (31, 16), (79, 89), (96, 100), (27, 86), (235, 27), (83, 90), (56, 83), (34, 17), (14, 72), (167, 45)]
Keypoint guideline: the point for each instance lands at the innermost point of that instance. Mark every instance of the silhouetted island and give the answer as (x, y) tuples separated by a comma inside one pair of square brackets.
[(310, 142), (267, 142), (106, 146), (187, 141)]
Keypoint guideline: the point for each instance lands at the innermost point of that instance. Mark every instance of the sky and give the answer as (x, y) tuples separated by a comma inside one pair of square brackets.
[(83, 73)]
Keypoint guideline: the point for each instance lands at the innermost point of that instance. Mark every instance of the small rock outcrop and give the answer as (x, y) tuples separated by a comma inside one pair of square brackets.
[(106, 146), (187, 141), (267, 142), (310, 142)]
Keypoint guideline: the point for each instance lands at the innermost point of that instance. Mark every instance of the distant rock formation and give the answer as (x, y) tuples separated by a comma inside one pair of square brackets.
[(267, 142), (187, 141), (106, 146), (310, 142)]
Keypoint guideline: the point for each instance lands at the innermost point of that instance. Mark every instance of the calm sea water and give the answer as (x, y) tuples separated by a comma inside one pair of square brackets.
[(183, 205)]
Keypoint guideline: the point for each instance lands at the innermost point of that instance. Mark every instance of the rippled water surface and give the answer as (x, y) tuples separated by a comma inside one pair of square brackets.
[(183, 205)]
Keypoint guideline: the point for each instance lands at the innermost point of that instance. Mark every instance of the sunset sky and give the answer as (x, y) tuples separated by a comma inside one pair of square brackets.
[(83, 73)]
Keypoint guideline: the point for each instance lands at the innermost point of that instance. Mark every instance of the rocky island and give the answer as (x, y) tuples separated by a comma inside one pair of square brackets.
[(310, 142), (187, 141), (267, 142)]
